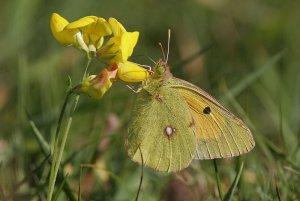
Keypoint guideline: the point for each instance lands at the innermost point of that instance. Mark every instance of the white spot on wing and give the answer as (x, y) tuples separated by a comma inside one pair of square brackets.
[(169, 130)]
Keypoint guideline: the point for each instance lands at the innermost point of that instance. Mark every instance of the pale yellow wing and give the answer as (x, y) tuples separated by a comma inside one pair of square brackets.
[(220, 134), (160, 130)]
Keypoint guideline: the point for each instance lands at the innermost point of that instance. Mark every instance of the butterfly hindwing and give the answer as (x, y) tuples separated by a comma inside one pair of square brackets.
[(161, 130), (219, 133)]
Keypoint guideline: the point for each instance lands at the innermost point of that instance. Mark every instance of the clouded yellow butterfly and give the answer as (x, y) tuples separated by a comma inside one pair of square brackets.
[(174, 121)]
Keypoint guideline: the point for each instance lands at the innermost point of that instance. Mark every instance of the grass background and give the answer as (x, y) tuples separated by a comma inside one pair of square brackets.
[(252, 66)]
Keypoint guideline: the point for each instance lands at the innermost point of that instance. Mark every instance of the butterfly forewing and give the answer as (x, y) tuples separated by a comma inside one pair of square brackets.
[(219, 133), (161, 130)]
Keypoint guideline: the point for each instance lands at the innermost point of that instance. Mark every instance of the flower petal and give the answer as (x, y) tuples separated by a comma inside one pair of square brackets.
[(130, 72), (97, 30), (128, 42), (82, 22), (116, 27), (118, 48), (58, 24), (110, 52)]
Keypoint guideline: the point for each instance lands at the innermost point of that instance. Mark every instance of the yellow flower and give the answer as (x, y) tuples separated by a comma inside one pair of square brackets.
[(86, 33), (120, 46), (97, 85), (130, 72)]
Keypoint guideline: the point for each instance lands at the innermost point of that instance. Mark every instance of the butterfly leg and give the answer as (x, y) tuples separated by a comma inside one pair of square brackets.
[(134, 90), (144, 82)]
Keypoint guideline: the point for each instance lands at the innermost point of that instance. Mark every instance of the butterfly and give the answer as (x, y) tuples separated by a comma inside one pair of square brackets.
[(174, 121)]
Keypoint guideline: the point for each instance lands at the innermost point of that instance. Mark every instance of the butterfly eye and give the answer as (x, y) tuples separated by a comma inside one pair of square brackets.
[(207, 110)]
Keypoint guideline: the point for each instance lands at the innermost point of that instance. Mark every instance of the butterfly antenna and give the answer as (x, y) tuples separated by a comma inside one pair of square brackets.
[(151, 59), (168, 50), (162, 50)]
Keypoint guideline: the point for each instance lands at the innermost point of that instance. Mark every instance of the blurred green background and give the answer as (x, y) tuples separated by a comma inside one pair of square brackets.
[(245, 53)]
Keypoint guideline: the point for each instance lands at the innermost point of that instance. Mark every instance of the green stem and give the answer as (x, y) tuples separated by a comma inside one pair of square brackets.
[(232, 189), (86, 68), (218, 179), (55, 162), (79, 187), (58, 150)]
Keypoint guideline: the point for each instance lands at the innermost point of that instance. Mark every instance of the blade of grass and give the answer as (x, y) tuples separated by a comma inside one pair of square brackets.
[(247, 81), (259, 138), (230, 192), (42, 142), (272, 107), (218, 180), (292, 170), (56, 194), (79, 187), (285, 147), (46, 151), (277, 192), (26, 178), (296, 108)]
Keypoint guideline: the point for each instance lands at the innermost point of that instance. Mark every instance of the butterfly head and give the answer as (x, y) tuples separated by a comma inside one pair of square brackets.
[(161, 69)]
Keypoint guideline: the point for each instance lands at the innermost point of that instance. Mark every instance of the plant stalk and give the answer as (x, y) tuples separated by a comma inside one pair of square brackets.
[(58, 150)]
